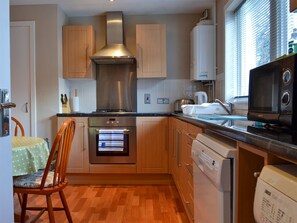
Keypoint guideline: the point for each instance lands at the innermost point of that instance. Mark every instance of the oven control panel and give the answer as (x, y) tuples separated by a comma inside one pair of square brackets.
[(104, 121), (112, 121)]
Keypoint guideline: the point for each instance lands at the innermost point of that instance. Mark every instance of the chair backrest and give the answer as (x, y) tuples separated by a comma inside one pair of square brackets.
[(18, 126), (58, 157)]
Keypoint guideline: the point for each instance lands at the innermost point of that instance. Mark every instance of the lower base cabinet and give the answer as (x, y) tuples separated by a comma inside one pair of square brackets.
[(79, 154), (152, 144), (181, 164), (250, 161)]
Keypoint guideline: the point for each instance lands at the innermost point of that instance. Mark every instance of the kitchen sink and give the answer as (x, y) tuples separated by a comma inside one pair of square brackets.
[(222, 117)]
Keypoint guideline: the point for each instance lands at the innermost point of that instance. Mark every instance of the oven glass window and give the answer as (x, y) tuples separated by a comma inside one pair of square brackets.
[(264, 90), (112, 142)]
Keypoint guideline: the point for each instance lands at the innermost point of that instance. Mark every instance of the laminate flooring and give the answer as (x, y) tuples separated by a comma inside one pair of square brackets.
[(116, 204)]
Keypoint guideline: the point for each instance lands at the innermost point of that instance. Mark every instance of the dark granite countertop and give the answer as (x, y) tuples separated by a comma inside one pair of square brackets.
[(102, 114), (279, 141)]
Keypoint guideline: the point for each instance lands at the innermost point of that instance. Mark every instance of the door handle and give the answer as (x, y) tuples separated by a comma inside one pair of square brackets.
[(7, 105), (27, 107)]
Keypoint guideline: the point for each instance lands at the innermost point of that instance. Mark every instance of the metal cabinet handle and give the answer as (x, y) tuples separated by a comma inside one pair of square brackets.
[(139, 62), (87, 57), (189, 210), (177, 149), (256, 174), (189, 136), (27, 107), (188, 166), (7, 105), (126, 131), (84, 148)]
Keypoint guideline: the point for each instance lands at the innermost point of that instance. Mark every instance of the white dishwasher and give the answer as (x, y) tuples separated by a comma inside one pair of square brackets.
[(214, 179)]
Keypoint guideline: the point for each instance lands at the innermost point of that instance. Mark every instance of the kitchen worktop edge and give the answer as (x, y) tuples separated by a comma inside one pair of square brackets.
[(131, 114), (279, 148)]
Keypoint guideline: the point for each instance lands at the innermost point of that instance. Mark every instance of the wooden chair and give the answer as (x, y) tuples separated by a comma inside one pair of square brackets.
[(18, 126), (49, 181)]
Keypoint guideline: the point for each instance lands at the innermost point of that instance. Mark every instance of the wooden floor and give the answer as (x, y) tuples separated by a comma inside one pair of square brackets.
[(116, 204)]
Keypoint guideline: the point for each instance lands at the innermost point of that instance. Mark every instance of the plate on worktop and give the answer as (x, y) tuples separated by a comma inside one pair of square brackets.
[(221, 117)]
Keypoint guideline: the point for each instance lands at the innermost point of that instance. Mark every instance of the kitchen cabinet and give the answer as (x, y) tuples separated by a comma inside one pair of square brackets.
[(293, 6), (152, 144), (181, 164), (151, 50), (250, 161), (79, 155), (78, 46)]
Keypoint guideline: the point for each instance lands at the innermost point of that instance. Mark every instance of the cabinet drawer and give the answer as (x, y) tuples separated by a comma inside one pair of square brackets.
[(187, 193), (192, 132)]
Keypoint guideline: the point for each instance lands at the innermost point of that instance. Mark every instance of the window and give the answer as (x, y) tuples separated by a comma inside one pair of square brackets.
[(257, 32)]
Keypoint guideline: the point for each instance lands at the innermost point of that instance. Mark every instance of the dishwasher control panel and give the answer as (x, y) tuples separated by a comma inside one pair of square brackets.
[(216, 167)]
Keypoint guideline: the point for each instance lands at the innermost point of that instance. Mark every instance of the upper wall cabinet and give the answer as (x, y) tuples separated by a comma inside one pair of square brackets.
[(151, 50), (293, 5), (78, 46)]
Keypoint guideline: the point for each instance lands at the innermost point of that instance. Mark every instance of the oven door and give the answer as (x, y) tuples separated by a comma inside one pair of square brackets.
[(112, 145)]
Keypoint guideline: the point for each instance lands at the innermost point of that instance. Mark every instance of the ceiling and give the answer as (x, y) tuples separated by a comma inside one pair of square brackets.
[(74, 8)]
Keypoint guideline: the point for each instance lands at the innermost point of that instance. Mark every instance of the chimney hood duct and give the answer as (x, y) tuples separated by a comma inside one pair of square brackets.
[(114, 52)]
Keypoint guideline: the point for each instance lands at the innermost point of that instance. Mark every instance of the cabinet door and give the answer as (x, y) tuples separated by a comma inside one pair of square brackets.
[(78, 46), (79, 156), (293, 5), (151, 50), (177, 154), (152, 147)]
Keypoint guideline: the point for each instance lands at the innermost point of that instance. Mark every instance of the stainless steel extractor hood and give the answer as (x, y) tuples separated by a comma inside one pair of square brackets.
[(114, 51)]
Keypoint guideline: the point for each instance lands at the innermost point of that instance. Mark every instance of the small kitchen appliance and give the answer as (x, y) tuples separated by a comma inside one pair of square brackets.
[(276, 194), (183, 101), (272, 92), (112, 139), (200, 97)]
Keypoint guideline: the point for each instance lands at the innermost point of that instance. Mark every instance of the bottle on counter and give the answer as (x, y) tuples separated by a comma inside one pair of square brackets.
[(292, 44)]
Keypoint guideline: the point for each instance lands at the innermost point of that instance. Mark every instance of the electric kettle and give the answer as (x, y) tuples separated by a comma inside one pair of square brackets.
[(200, 97)]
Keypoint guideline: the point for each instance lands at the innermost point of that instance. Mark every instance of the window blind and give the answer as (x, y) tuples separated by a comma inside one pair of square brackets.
[(257, 32)]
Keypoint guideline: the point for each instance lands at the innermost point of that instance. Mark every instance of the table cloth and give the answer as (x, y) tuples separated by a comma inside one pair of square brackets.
[(29, 154)]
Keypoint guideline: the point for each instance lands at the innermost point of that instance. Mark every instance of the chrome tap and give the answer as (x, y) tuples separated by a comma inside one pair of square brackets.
[(224, 107)]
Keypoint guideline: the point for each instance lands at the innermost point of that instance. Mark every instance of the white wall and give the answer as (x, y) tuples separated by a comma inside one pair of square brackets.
[(6, 198), (49, 20), (158, 88)]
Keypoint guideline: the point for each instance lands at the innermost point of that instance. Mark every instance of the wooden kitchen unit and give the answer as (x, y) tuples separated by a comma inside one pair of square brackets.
[(293, 5), (152, 144), (79, 154), (78, 46), (151, 50), (250, 161), (152, 156), (181, 164)]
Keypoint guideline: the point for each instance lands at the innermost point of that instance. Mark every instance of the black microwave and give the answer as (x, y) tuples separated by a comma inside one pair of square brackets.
[(272, 92)]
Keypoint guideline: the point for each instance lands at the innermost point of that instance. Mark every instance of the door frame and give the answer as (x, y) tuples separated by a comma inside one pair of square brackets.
[(32, 65)]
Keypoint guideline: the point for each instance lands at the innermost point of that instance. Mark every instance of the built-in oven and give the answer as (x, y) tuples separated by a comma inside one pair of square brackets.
[(112, 139)]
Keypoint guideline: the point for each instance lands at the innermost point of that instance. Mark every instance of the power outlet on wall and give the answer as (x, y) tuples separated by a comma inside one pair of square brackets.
[(147, 98)]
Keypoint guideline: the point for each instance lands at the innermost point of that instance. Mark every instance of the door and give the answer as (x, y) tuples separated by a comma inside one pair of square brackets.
[(6, 199), (23, 84)]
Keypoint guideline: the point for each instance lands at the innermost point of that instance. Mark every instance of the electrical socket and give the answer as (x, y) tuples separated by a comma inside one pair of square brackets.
[(147, 98), (165, 100), (160, 101)]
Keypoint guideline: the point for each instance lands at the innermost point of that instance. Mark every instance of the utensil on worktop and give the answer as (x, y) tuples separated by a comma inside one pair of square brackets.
[(200, 97), (183, 101), (65, 104), (75, 102)]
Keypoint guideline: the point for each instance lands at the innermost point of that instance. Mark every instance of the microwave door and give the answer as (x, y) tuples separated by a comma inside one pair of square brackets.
[(264, 91)]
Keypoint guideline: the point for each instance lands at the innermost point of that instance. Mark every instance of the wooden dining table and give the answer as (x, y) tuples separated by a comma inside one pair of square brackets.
[(29, 154)]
